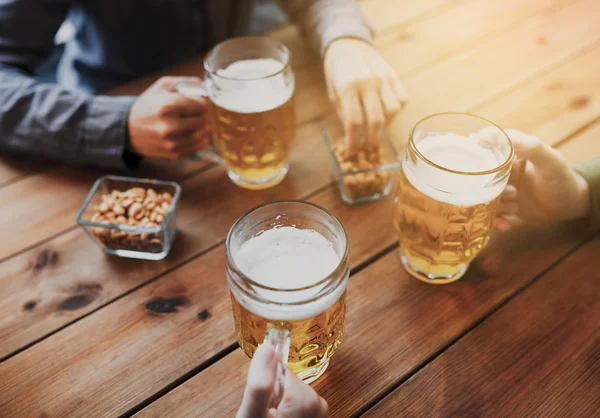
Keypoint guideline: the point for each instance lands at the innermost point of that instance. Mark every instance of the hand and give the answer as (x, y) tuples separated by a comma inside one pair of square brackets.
[(165, 124), (299, 399), (542, 186), (365, 90)]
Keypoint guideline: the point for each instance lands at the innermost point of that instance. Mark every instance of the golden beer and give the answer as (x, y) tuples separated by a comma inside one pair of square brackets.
[(436, 237), (447, 194), (255, 145), (249, 84), (313, 340), (287, 268)]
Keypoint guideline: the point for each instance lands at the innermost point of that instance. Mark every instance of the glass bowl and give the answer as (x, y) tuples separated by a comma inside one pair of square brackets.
[(132, 239), (358, 185)]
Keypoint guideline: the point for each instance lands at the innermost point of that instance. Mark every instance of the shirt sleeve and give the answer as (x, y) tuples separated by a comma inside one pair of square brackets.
[(590, 171), (324, 21), (44, 119)]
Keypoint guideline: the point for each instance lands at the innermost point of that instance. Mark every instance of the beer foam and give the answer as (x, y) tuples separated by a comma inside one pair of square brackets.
[(249, 92), (288, 258), (458, 153)]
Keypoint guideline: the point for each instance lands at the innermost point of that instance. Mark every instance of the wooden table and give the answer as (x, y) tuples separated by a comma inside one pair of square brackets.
[(518, 336)]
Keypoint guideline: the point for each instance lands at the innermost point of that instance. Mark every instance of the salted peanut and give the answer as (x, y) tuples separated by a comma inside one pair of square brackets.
[(159, 210), (97, 217), (134, 210), (150, 205), (127, 202), (144, 220), (137, 192), (151, 193), (118, 209), (167, 197), (159, 219), (166, 206), (121, 220), (153, 216), (103, 207), (116, 234)]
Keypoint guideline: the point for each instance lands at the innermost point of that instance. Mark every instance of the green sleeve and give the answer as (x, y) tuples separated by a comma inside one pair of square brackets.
[(590, 171)]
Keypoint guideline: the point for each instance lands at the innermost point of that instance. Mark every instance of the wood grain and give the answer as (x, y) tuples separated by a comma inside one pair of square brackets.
[(117, 348), (394, 324), (492, 67), (539, 355), (209, 204), (583, 147)]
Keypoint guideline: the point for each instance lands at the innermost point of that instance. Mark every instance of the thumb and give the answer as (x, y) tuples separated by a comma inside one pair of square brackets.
[(169, 82), (260, 384), (541, 155)]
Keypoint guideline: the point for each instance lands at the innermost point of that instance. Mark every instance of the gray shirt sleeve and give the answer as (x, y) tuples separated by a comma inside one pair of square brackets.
[(324, 21), (47, 120)]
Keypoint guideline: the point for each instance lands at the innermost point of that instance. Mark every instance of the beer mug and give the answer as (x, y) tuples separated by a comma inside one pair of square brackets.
[(249, 84), (453, 172), (287, 267)]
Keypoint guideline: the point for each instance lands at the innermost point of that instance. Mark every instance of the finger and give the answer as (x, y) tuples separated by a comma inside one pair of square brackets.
[(175, 128), (169, 82), (185, 145), (508, 208), (324, 407), (391, 103), (176, 104), (509, 193), (502, 224), (260, 383), (540, 154), (353, 121), (517, 171), (400, 91), (374, 116)]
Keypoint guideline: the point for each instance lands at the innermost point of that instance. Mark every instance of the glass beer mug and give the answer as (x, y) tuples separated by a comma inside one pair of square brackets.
[(453, 172), (249, 84), (287, 267)]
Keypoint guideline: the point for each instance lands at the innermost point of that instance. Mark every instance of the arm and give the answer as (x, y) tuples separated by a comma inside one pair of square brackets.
[(324, 21), (44, 119), (363, 87), (590, 171)]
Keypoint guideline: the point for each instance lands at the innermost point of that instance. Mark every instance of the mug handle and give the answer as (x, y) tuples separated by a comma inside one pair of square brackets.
[(279, 338), (195, 90)]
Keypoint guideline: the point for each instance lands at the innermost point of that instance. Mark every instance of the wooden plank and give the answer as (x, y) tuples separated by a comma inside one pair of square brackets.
[(14, 168), (551, 105), (122, 352), (424, 42), (394, 324), (387, 15), (537, 356), (583, 147), (212, 204), (483, 72)]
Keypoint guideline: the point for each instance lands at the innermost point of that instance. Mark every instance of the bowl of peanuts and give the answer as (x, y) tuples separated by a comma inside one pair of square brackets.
[(367, 175), (130, 217)]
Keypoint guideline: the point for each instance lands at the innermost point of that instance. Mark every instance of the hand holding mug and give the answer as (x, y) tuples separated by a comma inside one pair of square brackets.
[(299, 399), (165, 124), (542, 187)]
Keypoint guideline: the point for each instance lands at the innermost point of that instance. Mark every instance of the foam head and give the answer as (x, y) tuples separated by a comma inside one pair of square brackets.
[(252, 86), (458, 153), (288, 258)]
